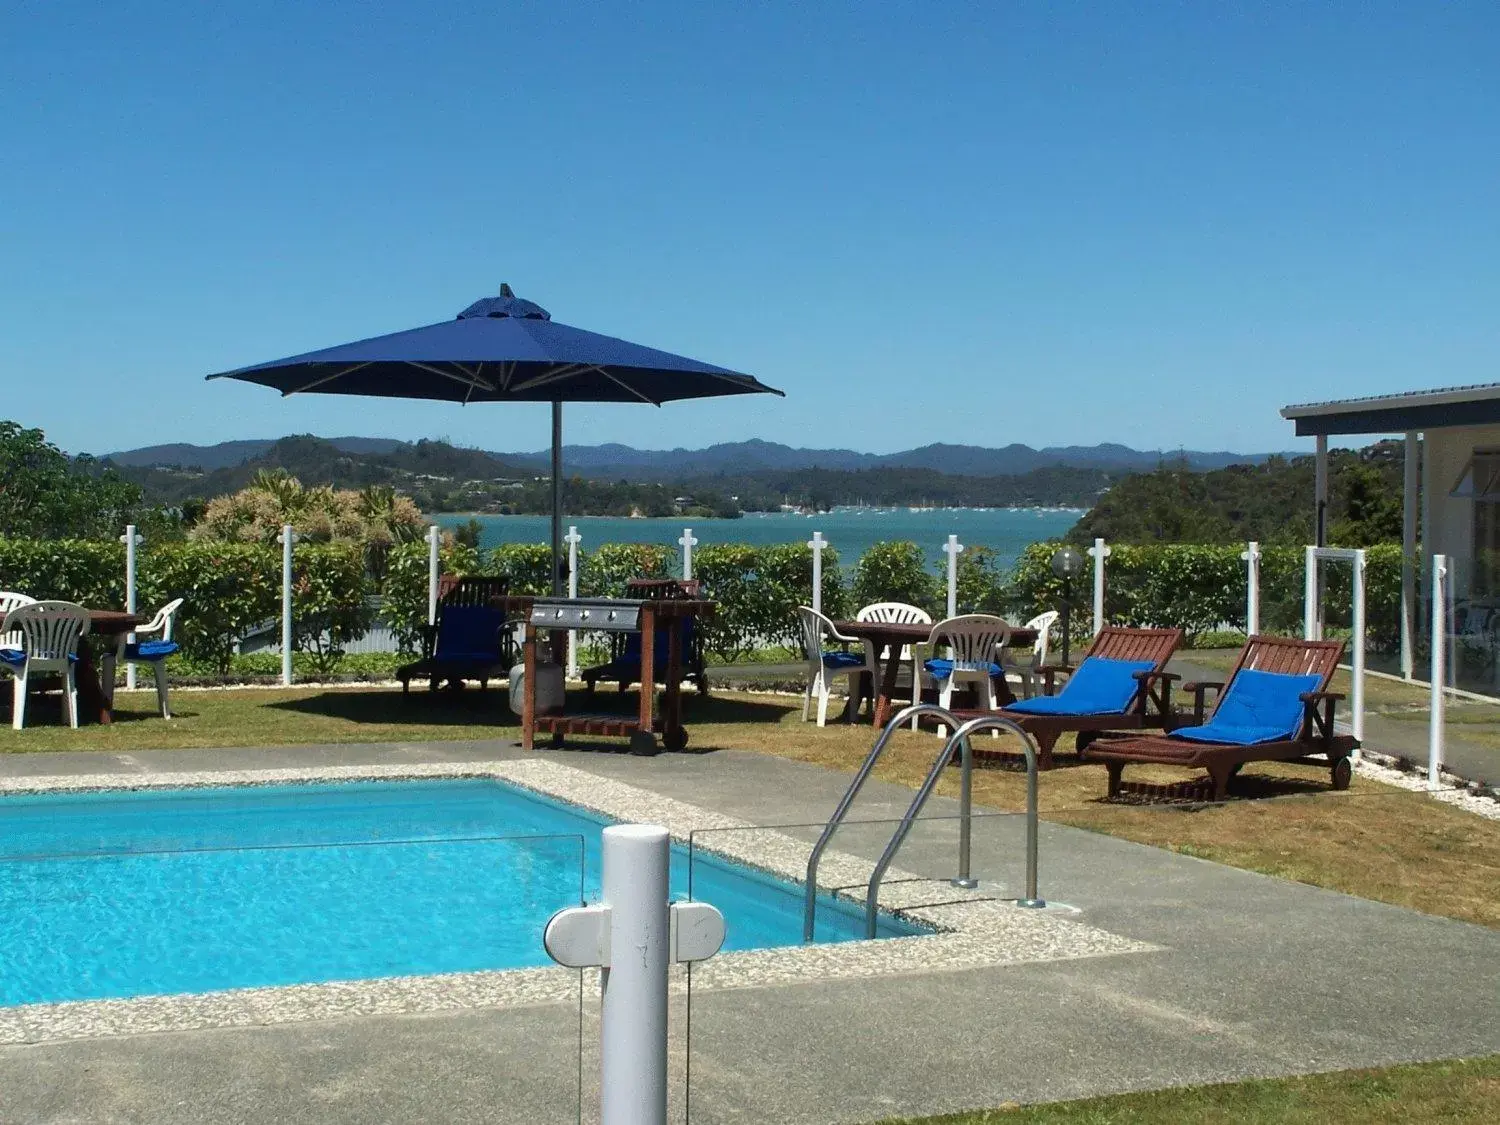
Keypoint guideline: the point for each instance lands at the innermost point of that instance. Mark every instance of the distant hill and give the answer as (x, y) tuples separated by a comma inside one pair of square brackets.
[(615, 461), (228, 454)]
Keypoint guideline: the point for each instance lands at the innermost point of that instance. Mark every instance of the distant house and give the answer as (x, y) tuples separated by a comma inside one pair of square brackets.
[(1451, 494)]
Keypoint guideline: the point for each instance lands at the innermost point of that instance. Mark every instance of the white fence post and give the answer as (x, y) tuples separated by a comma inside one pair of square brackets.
[(1100, 553), (1357, 657), (131, 541), (1251, 555), (1435, 700), (817, 543), (572, 539), (688, 542), (634, 934), (1310, 630), (434, 537), (286, 539), (953, 548)]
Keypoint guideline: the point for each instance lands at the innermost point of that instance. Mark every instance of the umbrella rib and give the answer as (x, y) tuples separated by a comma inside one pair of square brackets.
[(463, 376), (552, 375), (321, 379), (626, 386)]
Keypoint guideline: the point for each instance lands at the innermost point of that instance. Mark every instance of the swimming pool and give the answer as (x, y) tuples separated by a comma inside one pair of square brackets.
[(151, 892)]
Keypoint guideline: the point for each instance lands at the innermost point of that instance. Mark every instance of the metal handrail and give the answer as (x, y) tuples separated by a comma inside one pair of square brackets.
[(962, 736), (899, 720)]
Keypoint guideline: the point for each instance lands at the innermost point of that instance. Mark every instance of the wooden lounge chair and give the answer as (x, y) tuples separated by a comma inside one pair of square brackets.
[(470, 640), (1275, 707), (624, 664), (1121, 683)]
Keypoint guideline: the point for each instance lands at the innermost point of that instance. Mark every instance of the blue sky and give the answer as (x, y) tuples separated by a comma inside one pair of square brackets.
[(989, 222)]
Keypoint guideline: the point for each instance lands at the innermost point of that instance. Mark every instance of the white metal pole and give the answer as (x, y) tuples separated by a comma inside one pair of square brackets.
[(434, 565), (1310, 595), (287, 538), (1357, 664), (131, 541), (572, 539), (633, 1020), (817, 543), (1100, 553), (1408, 553), (688, 542), (1251, 555), (1439, 652), (953, 548)]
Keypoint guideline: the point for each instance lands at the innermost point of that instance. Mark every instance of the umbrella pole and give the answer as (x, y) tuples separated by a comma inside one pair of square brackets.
[(557, 514)]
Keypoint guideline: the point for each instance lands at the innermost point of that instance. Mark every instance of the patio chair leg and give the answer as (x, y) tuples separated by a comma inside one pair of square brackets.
[(807, 700), (159, 667), (107, 678), (1220, 776), (823, 705), (70, 697), (1045, 742), (1116, 769), (18, 703)]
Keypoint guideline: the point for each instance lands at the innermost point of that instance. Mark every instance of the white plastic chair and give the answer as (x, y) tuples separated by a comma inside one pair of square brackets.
[(49, 633), (971, 641), (1025, 666), (146, 650), (9, 600), (823, 666), (904, 614)]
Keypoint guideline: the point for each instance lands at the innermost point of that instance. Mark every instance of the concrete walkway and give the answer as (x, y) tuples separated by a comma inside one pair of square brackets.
[(1254, 977)]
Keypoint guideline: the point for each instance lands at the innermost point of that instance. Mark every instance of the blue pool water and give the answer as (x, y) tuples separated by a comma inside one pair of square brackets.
[(189, 890)]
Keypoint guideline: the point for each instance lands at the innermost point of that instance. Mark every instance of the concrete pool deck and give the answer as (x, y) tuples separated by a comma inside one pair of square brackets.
[(1250, 976)]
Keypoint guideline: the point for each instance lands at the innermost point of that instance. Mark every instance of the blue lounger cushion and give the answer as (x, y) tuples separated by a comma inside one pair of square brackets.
[(942, 668), (842, 660), (151, 650), (1099, 686), (1258, 707), (469, 633)]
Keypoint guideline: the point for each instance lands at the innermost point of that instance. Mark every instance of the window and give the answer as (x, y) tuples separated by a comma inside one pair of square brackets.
[(1480, 482)]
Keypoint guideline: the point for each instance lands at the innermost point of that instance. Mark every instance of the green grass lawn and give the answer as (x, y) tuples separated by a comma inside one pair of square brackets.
[(1458, 1091)]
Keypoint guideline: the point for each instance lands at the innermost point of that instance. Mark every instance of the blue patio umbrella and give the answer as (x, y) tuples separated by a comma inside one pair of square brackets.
[(503, 349)]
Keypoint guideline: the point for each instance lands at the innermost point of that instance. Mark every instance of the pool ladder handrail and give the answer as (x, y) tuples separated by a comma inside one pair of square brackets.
[(902, 717), (962, 737)]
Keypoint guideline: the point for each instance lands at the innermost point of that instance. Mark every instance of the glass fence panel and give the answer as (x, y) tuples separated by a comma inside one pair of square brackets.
[(765, 1022), (112, 935)]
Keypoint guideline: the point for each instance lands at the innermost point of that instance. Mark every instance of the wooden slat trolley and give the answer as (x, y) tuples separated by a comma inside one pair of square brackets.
[(666, 606)]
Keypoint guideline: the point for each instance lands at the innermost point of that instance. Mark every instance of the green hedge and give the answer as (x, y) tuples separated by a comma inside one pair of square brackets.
[(230, 588), (1198, 588)]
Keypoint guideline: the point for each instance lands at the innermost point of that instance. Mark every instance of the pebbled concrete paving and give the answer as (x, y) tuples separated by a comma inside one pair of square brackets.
[(1257, 977)]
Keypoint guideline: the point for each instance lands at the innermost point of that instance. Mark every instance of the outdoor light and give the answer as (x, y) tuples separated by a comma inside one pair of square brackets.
[(1066, 564)]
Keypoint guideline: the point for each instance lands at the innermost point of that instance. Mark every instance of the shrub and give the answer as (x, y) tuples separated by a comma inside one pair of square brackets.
[(405, 607), (528, 566), (604, 571), (227, 589), (897, 572), (783, 582), (329, 610)]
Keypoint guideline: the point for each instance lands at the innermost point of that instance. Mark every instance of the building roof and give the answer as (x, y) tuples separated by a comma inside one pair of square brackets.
[(1441, 407)]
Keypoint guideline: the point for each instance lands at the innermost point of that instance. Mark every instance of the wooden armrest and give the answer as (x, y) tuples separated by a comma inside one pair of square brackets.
[(1203, 685), (1317, 696), (1153, 675)]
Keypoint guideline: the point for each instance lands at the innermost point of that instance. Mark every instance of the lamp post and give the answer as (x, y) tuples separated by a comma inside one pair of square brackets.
[(1067, 564)]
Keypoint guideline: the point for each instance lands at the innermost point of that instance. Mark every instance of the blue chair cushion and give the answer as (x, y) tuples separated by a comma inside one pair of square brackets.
[(151, 650), (15, 657), (1098, 686), (941, 668), (469, 633), (842, 660), (630, 657), (1258, 707)]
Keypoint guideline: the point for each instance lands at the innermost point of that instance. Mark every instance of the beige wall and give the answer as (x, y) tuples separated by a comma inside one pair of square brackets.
[(1452, 527)]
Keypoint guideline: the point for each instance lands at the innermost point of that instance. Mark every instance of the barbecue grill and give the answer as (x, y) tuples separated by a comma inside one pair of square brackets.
[(612, 615), (605, 615)]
